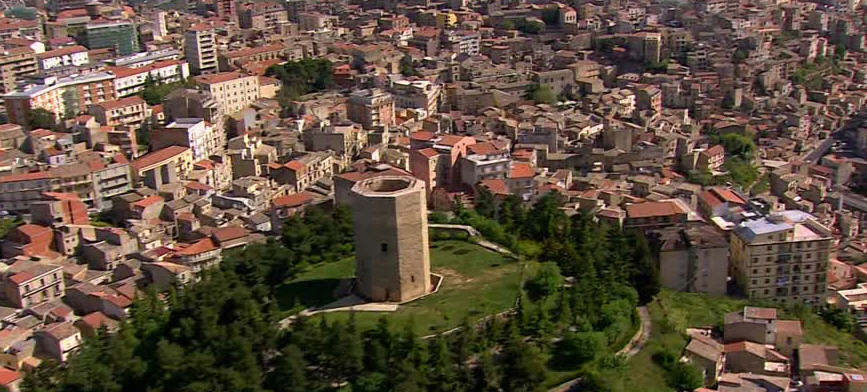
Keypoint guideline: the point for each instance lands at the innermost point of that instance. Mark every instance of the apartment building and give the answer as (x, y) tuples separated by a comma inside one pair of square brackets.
[(64, 97), (28, 283), (484, 162), (232, 90), (165, 166), (132, 80), (656, 214), (304, 171), (197, 134), (200, 48), (15, 63), (226, 10), (418, 94), (120, 36), (782, 257), (371, 108), (129, 111), (63, 57), (693, 258), (267, 15)]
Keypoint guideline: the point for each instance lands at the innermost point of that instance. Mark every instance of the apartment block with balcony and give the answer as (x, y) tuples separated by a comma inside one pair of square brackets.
[(29, 283), (200, 48), (371, 108), (129, 111), (782, 257), (233, 91), (14, 64), (64, 97)]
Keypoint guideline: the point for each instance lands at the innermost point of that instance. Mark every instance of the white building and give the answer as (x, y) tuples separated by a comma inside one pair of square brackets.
[(418, 94), (130, 81), (68, 56), (195, 133)]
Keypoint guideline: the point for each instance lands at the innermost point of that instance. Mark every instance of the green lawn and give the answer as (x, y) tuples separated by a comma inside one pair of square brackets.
[(477, 283)]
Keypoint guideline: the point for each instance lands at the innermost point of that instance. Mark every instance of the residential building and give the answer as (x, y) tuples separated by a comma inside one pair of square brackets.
[(238, 58), (130, 111), (782, 257), (233, 91), (29, 283), (303, 172), (656, 214), (159, 24), (63, 57), (59, 209), (484, 161), (226, 10), (59, 340), (693, 258), (263, 16), (200, 48), (132, 80), (120, 36), (64, 97), (14, 64), (168, 165), (419, 94), (197, 134), (371, 108)]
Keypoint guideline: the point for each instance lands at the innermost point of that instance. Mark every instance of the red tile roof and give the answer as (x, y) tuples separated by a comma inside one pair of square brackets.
[(201, 246), (422, 135), (293, 200), (40, 175), (428, 152), (653, 209), (295, 165), (148, 201), (157, 157), (61, 52), (8, 376), (121, 103), (521, 170), (229, 233), (219, 77), (496, 186)]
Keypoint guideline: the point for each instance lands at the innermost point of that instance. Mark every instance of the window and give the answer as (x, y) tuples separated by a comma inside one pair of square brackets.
[(383, 247)]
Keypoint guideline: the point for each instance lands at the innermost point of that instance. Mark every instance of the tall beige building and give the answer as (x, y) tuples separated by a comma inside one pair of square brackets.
[(782, 257), (233, 91), (15, 63), (200, 48), (391, 242)]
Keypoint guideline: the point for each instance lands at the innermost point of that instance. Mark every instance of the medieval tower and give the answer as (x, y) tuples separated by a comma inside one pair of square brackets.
[(389, 216)]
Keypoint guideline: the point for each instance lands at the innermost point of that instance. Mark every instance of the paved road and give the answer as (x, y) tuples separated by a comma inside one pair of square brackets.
[(633, 347)]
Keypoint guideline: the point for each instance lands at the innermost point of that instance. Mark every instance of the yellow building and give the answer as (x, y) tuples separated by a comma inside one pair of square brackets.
[(446, 19)]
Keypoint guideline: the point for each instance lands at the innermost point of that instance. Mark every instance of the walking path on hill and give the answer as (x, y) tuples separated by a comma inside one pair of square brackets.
[(633, 347)]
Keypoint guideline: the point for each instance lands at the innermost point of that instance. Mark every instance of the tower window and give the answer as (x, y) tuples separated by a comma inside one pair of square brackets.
[(383, 247)]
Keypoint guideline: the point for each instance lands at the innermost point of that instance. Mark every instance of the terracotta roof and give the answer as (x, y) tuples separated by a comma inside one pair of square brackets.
[(654, 208), (521, 170), (485, 148), (790, 327), (40, 175), (201, 246), (120, 103), (158, 156), (451, 140), (148, 201), (61, 52), (229, 233), (60, 331), (8, 376), (428, 152), (422, 135), (251, 51), (96, 320), (728, 195), (219, 77), (760, 313), (295, 165), (123, 72), (496, 186), (32, 230), (198, 186)]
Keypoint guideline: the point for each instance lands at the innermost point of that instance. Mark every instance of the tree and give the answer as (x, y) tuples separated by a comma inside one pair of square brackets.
[(738, 145), (541, 94), (741, 171), (40, 118), (578, 348), (523, 369), (406, 66), (9, 224), (484, 202), (546, 281), (290, 371), (685, 377), (839, 318)]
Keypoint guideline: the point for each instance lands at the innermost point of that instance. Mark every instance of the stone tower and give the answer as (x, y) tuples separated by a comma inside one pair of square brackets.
[(389, 216)]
